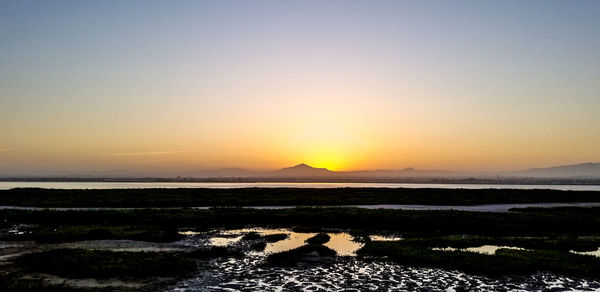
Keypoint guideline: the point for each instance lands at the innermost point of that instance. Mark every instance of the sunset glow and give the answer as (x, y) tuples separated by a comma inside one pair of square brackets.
[(171, 87)]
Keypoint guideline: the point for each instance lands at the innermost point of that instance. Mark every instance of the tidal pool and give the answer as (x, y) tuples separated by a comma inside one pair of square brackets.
[(342, 242), (347, 273)]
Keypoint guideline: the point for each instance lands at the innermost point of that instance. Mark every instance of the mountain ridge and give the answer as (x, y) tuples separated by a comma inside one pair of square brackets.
[(303, 170)]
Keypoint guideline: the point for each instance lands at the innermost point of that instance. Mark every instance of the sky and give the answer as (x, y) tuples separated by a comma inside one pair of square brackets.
[(172, 86)]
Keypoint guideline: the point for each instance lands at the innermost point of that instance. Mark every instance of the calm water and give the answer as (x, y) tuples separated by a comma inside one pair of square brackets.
[(475, 208), (146, 185)]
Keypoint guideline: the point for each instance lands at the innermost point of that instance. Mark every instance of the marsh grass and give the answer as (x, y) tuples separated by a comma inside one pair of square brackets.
[(71, 233), (559, 243), (575, 221), (99, 264), (301, 254), (215, 252), (319, 238), (504, 262), (193, 197)]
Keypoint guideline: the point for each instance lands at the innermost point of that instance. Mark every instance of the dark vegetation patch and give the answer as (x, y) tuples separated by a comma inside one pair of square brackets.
[(194, 197), (215, 252), (258, 246), (14, 282), (253, 236), (504, 262), (274, 237), (99, 264), (259, 242), (573, 221), (550, 232), (71, 233), (559, 243), (311, 253), (319, 238)]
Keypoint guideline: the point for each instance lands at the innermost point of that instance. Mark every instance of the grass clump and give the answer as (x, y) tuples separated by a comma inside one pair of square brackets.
[(313, 253), (251, 236), (215, 252), (320, 238), (267, 237), (274, 237), (258, 246), (83, 263)]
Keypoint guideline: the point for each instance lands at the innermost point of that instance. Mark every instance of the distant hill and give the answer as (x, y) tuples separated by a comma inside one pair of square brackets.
[(224, 172), (577, 173), (407, 172), (302, 170), (584, 170)]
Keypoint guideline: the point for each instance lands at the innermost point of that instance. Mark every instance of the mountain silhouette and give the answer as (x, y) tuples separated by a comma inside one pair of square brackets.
[(572, 170), (302, 170)]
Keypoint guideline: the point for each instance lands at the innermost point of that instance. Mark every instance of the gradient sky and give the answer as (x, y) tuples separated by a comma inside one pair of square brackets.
[(173, 86)]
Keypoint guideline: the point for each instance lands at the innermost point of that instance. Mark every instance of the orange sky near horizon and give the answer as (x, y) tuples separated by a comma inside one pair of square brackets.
[(170, 88)]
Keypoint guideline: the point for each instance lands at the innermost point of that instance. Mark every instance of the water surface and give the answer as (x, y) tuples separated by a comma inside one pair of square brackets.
[(474, 208), (349, 273), (342, 242), (355, 274), (5, 185)]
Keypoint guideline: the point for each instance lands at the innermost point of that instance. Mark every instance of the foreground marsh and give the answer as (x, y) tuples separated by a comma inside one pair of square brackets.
[(307, 248)]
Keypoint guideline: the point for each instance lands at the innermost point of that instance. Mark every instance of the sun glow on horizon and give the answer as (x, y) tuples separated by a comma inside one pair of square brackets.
[(179, 87)]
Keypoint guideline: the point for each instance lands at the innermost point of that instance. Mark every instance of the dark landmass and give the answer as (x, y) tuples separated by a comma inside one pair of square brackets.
[(69, 233), (148, 271), (504, 262), (198, 197), (563, 243), (548, 234), (83, 263), (215, 252), (505, 180), (84, 225), (584, 174), (310, 253), (320, 238)]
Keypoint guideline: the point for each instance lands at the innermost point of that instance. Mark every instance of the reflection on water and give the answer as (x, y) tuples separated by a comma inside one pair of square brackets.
[(490, 249), (595, 253), (224, 241), (347, 273), (384, 238), (355, 274), (484, 249), (343, 244), (189, 232), (474, 208), (477, 208), (294, 240)]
